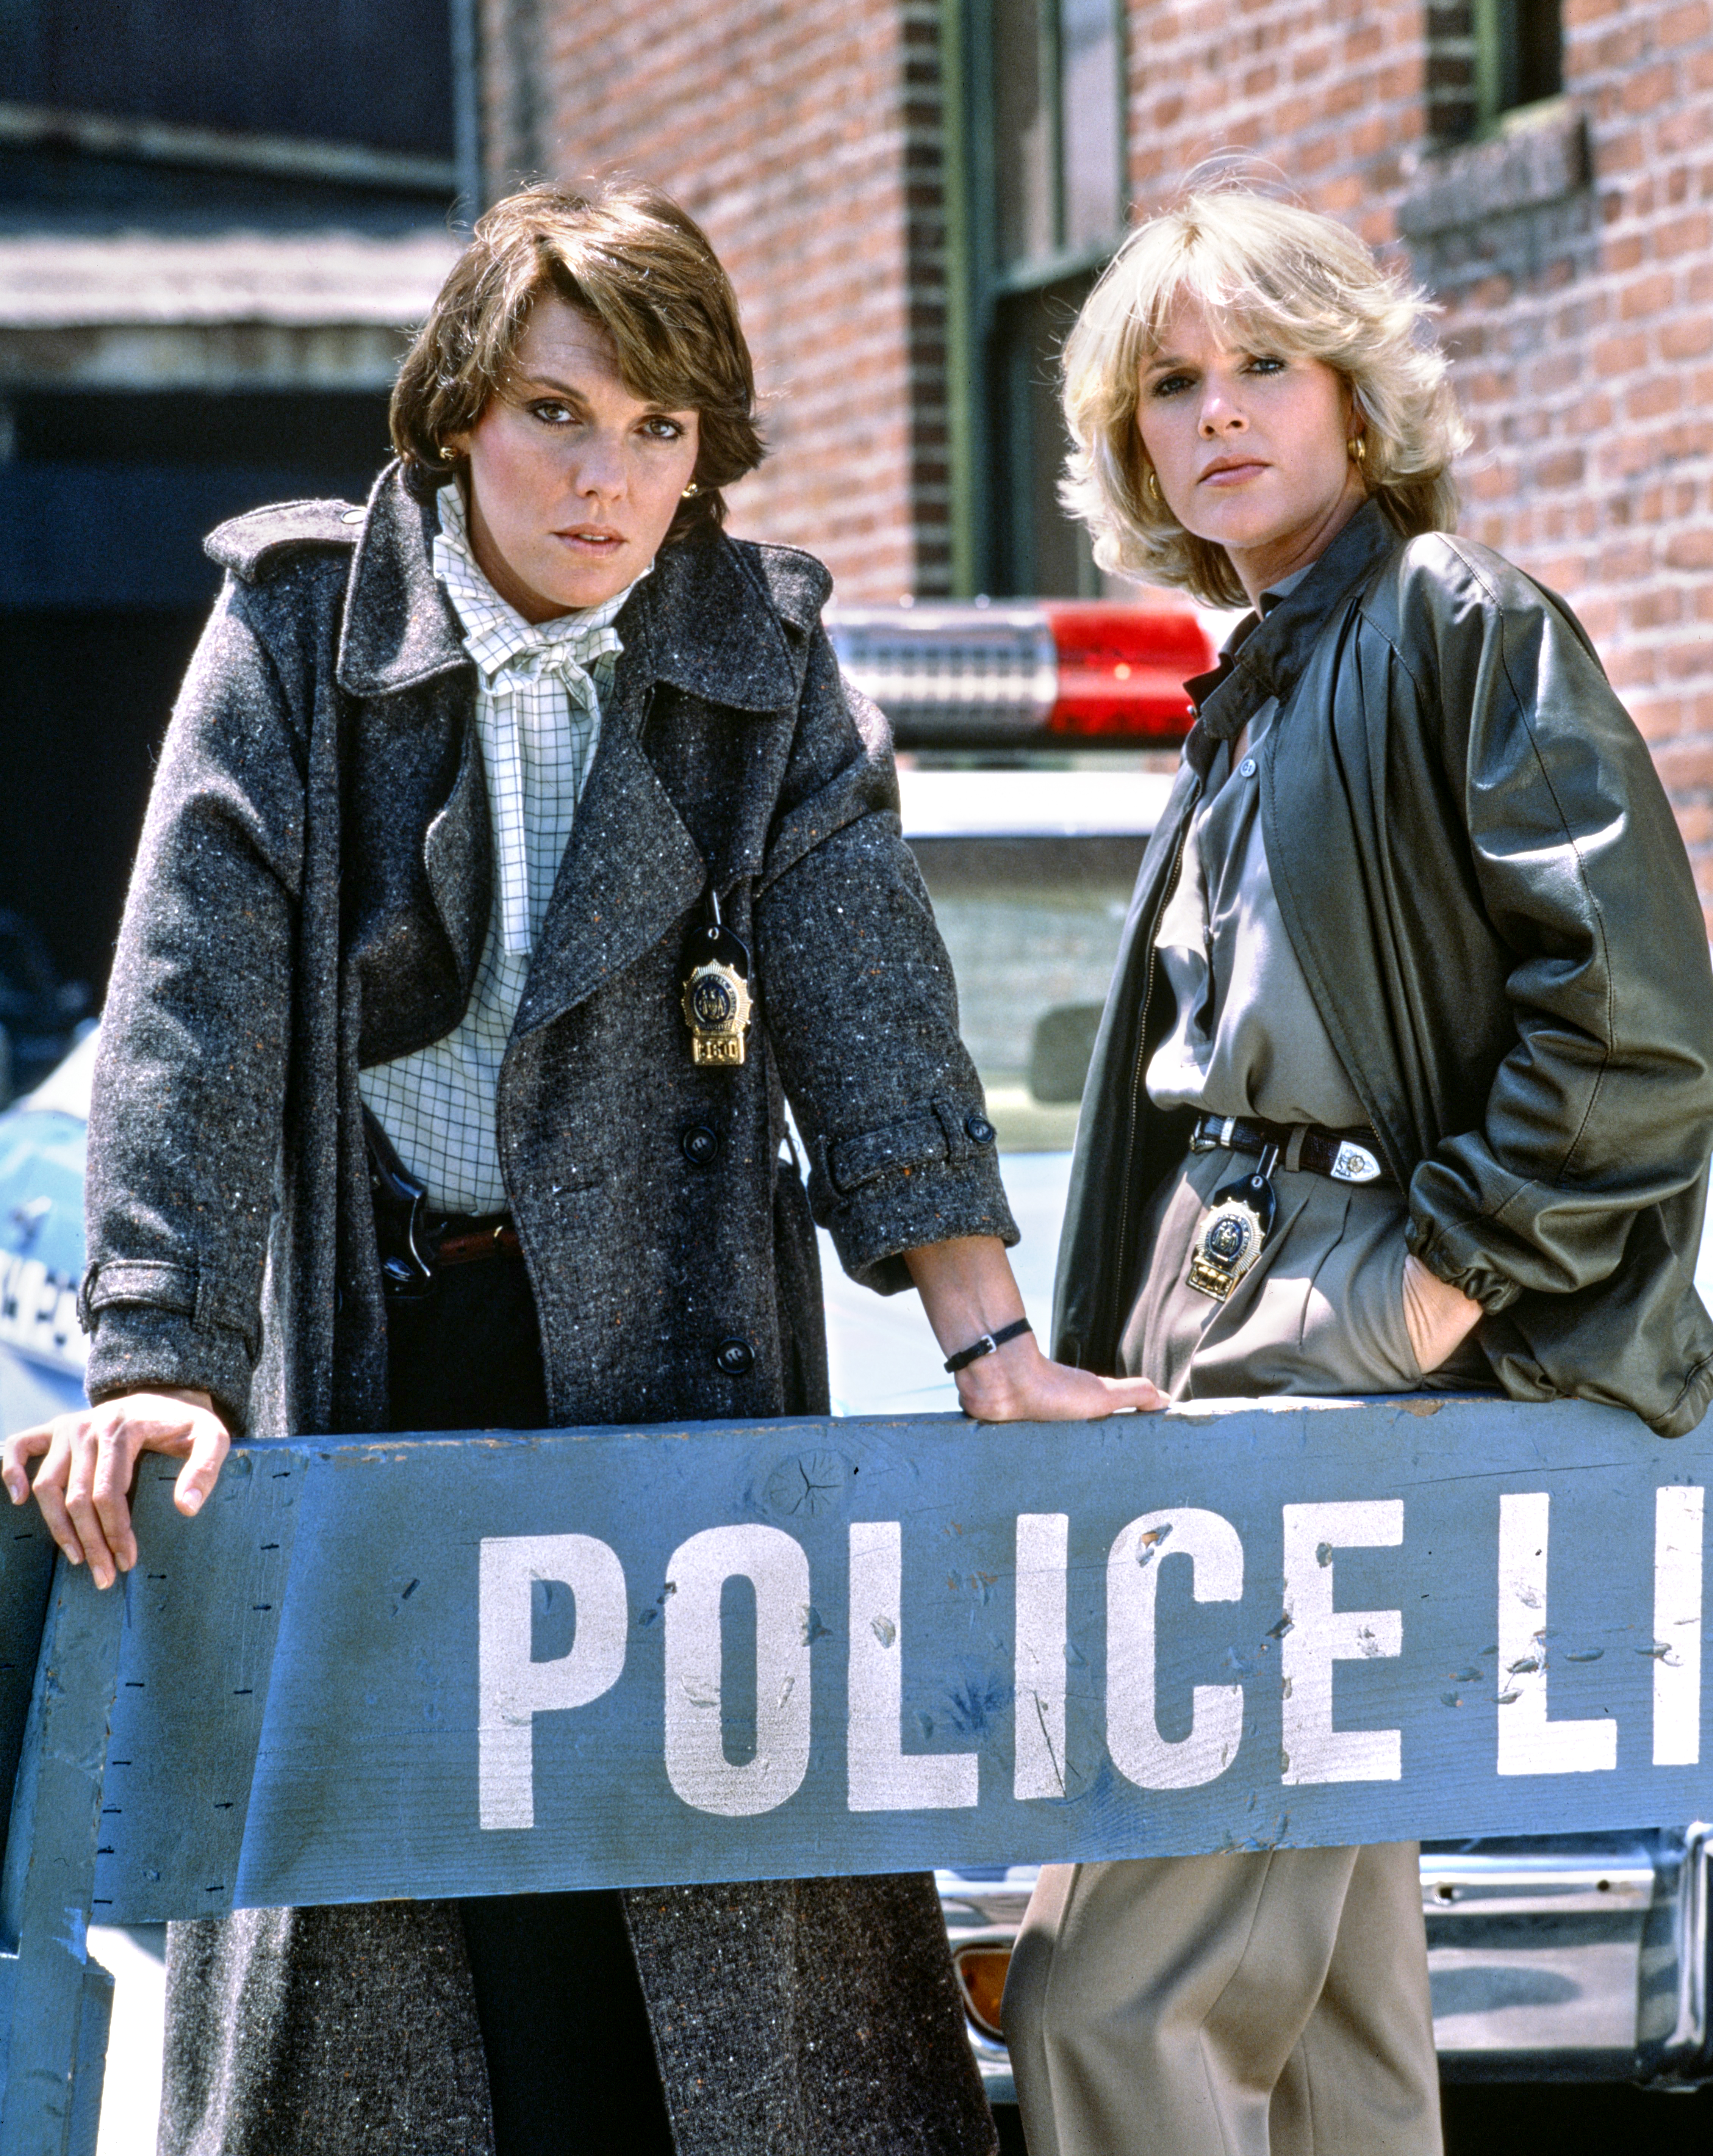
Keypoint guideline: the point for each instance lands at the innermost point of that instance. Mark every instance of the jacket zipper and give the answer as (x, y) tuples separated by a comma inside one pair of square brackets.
[(1121, 1271)]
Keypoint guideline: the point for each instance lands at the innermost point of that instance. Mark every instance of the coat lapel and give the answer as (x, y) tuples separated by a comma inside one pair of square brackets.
[(703, 625), (1271, 657), (399, 627), (630, 870)]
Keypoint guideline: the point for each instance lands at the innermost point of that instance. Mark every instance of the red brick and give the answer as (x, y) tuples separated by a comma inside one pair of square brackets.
[(1648, 399), (1687, 338), (1646, 295)]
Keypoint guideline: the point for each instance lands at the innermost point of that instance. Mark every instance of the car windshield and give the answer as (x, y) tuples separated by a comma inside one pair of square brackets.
[(1032, 924)]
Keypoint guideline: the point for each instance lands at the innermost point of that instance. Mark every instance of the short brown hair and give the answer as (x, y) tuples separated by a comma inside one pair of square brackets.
[(629, 257)]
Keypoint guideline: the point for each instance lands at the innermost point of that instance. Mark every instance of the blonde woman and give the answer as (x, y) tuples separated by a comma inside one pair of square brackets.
[(1403, 1082)]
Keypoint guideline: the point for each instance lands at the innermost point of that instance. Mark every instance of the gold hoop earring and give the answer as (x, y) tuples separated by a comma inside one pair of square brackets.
[(690, 492), (1358, 449), (1153, 483)]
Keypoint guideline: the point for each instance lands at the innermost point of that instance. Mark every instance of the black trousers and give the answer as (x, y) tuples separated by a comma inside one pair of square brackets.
[(571, 2056)]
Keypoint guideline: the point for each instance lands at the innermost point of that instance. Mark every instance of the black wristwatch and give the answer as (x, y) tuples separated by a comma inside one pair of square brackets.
[(985, 1345)]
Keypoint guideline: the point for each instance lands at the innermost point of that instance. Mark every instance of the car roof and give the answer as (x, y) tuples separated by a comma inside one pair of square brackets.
[(1031, 804), (65, 1090)]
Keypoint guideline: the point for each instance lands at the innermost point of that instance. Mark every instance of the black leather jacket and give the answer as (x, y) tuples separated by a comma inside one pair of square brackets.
[(1486, 890)]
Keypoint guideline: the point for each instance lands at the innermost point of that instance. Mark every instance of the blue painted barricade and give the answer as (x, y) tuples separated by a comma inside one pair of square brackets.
[(492, 1663)]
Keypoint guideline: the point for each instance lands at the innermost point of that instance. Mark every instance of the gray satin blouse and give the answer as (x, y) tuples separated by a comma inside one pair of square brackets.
[(1247, 1039)]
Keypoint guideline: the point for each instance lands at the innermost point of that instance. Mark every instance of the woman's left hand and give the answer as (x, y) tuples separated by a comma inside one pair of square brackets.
[(1439, 1318), (1017, 1382), (968, 1290)]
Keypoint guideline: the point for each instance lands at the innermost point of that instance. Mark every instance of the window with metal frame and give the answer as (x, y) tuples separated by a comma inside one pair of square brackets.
[(1041, 130), (1489, 59)]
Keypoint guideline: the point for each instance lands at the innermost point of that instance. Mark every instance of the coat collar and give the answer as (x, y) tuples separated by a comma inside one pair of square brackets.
[(704, 621), (1270, 660), (399, 626)]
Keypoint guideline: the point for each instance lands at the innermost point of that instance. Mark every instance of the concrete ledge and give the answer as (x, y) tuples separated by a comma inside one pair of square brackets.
[(1541, 158)]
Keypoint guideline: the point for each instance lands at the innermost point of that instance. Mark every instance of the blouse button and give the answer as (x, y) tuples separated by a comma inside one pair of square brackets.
[(1246, 769)]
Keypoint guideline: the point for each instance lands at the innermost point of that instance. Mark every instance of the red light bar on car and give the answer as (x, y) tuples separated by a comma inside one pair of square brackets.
[(1104, 672)]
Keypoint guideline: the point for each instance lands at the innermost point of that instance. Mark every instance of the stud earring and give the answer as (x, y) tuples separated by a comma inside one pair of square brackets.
[(1358, 449), (1153, 486), (690, 492)]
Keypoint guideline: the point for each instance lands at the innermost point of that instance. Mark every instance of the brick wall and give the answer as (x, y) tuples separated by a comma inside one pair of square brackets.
[(1572, 258), (1589, 378), (806, 138), (1331, 92)]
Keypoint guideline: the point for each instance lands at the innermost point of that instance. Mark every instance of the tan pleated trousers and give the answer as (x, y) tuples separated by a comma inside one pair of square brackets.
[(1267, 2005)]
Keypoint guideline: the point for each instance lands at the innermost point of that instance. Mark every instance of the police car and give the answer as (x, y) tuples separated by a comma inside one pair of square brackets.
[(1036, 748)]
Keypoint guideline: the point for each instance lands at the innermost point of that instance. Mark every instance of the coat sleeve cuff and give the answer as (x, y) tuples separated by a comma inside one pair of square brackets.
[(1453, 1254), (141, 1347), (928, 1177)]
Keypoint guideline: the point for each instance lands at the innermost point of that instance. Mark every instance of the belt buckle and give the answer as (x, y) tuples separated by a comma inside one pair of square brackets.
[(1354, 1164)]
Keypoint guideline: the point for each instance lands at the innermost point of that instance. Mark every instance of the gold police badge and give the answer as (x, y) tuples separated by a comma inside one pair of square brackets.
[(715, 1002), (716, 1009), (1233, 1230)]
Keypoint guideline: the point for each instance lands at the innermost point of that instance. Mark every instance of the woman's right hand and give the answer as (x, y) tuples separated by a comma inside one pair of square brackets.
[(84, 1484), (1438, 1316)]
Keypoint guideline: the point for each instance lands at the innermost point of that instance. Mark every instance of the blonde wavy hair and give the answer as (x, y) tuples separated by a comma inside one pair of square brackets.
[(1274, 277)]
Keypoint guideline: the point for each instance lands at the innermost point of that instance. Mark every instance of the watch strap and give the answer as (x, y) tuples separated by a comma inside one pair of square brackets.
[(986, 1344)]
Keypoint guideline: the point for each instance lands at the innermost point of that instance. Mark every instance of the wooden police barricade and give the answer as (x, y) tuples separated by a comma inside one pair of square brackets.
[(497, 1662)]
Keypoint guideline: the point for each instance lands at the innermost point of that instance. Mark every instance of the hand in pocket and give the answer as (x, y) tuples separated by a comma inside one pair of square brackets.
[(1438, 1316)]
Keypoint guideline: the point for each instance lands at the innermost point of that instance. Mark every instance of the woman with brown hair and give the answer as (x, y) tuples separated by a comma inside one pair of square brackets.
[(1405, 1081), (516, 853)]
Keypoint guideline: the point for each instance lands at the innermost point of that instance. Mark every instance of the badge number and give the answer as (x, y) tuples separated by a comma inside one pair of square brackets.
[(716, 1009)]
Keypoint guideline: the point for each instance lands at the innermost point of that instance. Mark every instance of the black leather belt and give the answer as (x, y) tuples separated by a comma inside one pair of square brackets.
[(414, 1243), (1346, 1156)]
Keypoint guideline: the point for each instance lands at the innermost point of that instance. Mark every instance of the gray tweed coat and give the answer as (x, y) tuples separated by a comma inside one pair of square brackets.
[(311, 896)]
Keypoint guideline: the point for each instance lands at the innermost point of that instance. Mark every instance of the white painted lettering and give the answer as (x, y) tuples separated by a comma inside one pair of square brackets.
[(1677, 1626), (696, 1765), (1528, 1742), (1316, 1635), (1043, 1545), (512, 1688), (1139, 1751), (883, 1777)]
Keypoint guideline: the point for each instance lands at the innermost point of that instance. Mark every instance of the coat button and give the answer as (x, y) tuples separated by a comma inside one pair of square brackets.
[(1246, 769), (981, 1131), (700, 1146), (735, 1357)]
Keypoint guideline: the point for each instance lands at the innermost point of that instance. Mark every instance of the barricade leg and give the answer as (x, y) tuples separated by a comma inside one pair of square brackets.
[(54, 2002)]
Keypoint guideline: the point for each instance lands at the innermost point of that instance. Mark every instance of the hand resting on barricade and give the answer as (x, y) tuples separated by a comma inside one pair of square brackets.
[(84, 1484)]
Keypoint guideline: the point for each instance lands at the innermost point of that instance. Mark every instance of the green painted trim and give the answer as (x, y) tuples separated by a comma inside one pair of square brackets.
[(1490, 98), (1053, 269)]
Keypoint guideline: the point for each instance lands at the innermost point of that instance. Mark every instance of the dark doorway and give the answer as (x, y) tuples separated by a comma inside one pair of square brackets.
[(104, 590)]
